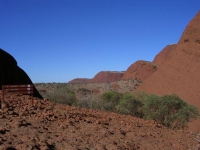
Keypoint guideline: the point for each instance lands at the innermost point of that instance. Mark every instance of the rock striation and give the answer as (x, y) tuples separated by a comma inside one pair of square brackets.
[(11, 73)]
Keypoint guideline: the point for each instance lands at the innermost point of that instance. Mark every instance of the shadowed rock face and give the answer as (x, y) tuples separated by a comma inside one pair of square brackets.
[(160, 57), (140, 70), (11, 73), (179, 73)]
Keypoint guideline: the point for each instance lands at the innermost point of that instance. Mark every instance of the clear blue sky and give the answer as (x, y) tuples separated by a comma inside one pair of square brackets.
[(59, 40)]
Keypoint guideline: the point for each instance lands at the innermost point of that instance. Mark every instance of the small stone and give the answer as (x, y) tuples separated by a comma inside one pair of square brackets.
[(2, 130)]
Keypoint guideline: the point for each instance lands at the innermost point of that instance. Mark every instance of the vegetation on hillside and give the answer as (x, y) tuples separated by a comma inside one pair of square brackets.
[(60, 93), (168, 110)]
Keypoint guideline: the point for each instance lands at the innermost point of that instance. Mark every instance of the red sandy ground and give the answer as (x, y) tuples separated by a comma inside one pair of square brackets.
[(51, 126)]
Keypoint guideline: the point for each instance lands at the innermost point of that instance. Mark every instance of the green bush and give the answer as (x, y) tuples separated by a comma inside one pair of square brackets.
[(151, 105), (109, 100), (141, 96), (62, 95), (169, 110), (130, 105)]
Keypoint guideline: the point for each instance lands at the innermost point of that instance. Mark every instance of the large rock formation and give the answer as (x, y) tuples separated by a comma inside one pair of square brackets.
[(11, 73), (140, 70), (179, 73), (160, 57), (107, 76)]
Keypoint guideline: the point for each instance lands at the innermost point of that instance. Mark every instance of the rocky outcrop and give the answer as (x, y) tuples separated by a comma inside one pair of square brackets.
[(179, 73), (162, 55), (12, 74), (140, 70), (107, 76)]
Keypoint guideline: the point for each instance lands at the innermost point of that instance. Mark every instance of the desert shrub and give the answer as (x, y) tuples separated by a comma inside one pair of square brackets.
[(141, 96), (83, 103), (87, 103), (109, 100), (62, 95), (151, 104), (169, 110), (130, 105)]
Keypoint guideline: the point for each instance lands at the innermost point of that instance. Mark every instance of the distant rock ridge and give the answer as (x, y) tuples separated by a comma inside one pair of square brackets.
[(11, 73), (107, 76), (101, 77), (79, 80)]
